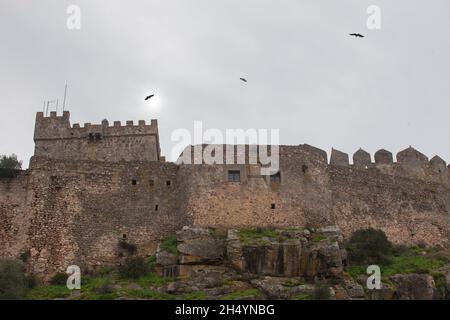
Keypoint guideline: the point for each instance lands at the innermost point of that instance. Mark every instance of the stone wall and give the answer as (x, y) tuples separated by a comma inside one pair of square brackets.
[(55, 138), (85, 195)]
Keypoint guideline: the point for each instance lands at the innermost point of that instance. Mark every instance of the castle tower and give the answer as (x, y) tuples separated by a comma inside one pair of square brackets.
[(55, 138)]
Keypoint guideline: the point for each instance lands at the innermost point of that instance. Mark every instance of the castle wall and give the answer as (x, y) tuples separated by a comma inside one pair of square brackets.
[(91, 188), (87, 208), (412, 206), (14, 214)]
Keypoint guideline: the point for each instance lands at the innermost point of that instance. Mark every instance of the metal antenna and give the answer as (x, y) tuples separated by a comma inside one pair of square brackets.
[(65, 95)]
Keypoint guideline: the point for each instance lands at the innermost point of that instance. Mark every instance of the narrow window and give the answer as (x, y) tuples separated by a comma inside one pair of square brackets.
[(168, 183), (272, 206), (275, 177), (156, 207), (134, 182), (124, 236), (234, 176)]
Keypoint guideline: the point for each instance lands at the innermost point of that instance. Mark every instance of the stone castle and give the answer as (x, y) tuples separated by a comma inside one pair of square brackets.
[(89, 188)]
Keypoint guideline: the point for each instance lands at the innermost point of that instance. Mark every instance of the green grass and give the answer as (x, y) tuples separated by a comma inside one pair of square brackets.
[(303, 296), (255, 236), (48, 292), (411, 260), (147, 294), (293, 283), (317, 237), (405, 261), (243, 294), (197, 295), (169, 244), (153, 280)]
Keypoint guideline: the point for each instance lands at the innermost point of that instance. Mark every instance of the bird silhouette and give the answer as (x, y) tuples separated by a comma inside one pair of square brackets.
[(356, 35), (149, 97), (243, 79)]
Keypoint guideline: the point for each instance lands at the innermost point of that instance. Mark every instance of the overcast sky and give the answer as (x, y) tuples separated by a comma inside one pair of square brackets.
[(306, 76)]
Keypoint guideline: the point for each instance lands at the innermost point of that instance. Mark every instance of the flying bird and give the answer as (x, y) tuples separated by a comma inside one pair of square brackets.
[(356, 35), (149, 97), (243, 79)]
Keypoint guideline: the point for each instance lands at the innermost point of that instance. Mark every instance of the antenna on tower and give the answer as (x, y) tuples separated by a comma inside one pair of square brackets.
[(65, 95)]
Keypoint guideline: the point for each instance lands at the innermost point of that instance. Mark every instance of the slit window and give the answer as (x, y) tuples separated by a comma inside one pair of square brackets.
[(273, 206), (134, 182), (168, 183), (156, 207), (234, 176)]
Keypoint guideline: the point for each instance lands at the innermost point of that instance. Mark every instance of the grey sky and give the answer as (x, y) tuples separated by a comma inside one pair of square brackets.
[(306, 76)]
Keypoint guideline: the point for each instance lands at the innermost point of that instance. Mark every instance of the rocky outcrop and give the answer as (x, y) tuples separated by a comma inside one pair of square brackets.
[(297, 263), (414, 286), (289, 253)]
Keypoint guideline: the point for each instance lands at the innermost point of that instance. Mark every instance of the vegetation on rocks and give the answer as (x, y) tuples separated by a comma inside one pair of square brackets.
[(169, 244)]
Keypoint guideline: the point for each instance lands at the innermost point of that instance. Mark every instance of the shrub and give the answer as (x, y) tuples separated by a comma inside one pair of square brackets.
[(369, 246), (126, 249), (169, 244), (105, 289), (12, 280), (59, 279), (322, 292), (10, 162), (133, 268), (31, 281)]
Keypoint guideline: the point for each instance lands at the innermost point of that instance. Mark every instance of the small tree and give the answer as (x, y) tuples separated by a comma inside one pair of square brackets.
[(10, 162), (133, 268), (369, 246), (12, 280)]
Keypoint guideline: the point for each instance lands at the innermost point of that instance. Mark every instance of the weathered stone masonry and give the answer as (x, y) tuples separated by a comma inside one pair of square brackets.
[(90, 188)]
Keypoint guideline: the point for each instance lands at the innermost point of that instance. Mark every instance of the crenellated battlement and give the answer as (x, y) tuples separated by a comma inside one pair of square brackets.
[(55, 137), (410, 163), (94, 185)]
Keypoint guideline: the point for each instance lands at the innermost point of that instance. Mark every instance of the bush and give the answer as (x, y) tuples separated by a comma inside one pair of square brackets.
[(322, 292), (369, 246), (59, 279), (31, 281), (10, 162), (133, 268), (12, 280), (126, 249), (169, 244)]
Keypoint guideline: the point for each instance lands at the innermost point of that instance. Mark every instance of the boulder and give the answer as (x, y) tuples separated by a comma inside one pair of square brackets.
[(414, 286), (165, 258), (199, 246), (282, 288)]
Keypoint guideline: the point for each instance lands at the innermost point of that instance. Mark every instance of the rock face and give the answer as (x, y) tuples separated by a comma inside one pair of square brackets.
[(197, 246), (295, 263), (294, 253), (414, 286), (316, 254)]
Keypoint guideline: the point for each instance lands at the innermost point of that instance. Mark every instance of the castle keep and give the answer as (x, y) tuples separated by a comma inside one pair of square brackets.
[(90, 188)]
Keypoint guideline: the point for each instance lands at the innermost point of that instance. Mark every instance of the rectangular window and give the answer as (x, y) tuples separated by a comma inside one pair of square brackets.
[(234, 176)]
